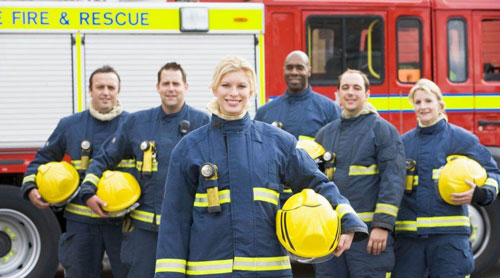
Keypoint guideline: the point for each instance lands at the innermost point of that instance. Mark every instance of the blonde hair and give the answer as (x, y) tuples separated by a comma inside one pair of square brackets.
[(233, 63), (429, 87)]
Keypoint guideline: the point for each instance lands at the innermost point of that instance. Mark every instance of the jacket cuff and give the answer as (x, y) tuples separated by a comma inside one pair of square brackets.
[(383, 225), (86, 192), (360, 233), (26, 189)]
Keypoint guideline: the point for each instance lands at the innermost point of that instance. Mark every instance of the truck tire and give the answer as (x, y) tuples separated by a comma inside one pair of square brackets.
[(28, 237), (485, 237)]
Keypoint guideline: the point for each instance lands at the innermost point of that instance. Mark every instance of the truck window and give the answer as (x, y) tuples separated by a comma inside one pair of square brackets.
[(338, 43), (491, 49), (457, 50), (409, 49)]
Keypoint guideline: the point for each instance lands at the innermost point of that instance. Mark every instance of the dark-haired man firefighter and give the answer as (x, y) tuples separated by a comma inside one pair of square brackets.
[(148, 137)]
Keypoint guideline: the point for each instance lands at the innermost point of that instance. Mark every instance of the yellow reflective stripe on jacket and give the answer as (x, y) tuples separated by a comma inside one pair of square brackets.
[(443, 221), (388, 275), (432, 222), (261, 264), (387, 209), (489, 181), (154, 166), (126, 163), (304, 137), (415, 180), (145, 216), (201, 199), (29, 178), (77, 164), (435, 174), (406, 226), (266, 195), (357, 170), (366, 216), (287, 191), (342, 209), (92, 179), (209, 267), (170, 265), (81, 210)]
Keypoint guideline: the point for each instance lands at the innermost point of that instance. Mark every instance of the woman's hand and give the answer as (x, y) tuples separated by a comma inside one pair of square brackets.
[(345, 241), (464, 197)]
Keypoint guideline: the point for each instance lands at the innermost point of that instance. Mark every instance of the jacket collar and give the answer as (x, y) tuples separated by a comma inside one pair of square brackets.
[(181, 112), (231, 125), (298, 97), (435, 128)]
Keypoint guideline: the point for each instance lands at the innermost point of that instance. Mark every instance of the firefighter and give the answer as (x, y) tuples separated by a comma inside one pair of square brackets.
[(147, 138), (369, 169), (300, 110), (87, 236), (223, 186), (432, 236)]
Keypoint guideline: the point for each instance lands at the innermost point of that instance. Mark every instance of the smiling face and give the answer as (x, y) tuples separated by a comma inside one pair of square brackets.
[(171, 89), (296, 72), (104, 91), (233, 92), (352, 93), (427, 106)]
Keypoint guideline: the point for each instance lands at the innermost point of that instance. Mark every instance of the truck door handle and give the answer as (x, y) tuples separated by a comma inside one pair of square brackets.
[(488, 122)]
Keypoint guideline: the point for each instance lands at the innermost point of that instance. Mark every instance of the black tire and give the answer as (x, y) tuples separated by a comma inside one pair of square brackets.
[(36, 234), (487, 251)]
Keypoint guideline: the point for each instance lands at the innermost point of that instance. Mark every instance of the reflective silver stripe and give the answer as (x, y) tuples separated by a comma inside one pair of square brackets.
[(366, 216), (92, 179), (357, 170), (201, 199), (126, 163), (170, 265), (490, 182), (145, 216), (80, 210), (406, 226), (209, 267), (342, 209), (154, 166), (436, 173), (265, 195), (29, 178), (387, 209), (443, 221), (261, 264)]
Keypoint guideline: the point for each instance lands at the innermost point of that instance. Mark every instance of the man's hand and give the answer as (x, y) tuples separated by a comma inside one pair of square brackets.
[(464, 197), (345, 241), (36, 199), (95, 203), (377, 241)]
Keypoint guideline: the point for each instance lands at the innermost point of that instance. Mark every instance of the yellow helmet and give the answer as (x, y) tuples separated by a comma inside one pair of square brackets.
[(308, 227), (120, 191), (315, 150), (57, 182), (453, 175)]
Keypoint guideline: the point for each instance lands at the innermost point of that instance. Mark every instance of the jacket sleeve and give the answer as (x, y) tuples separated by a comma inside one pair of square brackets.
[(53, 150), (481, 154), (176, 214), (302, 172), (392, 171), (111, 153)]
